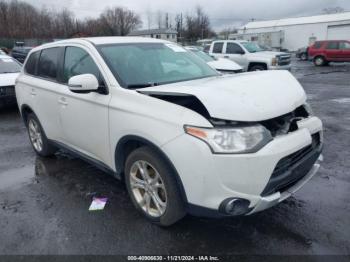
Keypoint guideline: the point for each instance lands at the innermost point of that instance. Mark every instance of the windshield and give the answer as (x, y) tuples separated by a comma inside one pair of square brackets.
[(252, 47), (137, 65), (207, 58), (9, 65)]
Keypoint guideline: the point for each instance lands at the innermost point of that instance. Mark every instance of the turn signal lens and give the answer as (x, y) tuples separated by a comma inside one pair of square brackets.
[(196, 132)]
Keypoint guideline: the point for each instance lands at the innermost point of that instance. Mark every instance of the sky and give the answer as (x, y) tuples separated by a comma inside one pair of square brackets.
[(223, 13)]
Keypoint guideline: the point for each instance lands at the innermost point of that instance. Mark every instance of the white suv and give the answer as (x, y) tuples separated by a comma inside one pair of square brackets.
[(250, 55), (183, 138)]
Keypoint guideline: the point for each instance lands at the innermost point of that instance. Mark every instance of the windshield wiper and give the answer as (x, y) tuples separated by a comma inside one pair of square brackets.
[(142, 85), (8, 72)]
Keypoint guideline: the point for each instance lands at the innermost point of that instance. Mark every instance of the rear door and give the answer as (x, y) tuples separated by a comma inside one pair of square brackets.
[(235, 52), (345, 49), (84, 116), (42, 89)]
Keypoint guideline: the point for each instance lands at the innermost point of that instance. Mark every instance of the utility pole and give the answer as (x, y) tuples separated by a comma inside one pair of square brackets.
[(167, 20)]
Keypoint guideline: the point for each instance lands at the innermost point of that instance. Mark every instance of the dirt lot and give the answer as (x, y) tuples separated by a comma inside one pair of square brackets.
[(44, 202)]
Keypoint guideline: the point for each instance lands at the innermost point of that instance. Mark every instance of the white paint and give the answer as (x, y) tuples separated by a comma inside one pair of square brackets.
[(93, 124)]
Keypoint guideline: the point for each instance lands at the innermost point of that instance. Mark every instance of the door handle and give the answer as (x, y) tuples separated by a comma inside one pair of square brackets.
[(226, 56), (63, 101), (32, 92)]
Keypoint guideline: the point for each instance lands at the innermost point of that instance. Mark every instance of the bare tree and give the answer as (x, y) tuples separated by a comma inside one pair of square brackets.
[(20, 20), (119, 21), (159, 19), (198, 25)]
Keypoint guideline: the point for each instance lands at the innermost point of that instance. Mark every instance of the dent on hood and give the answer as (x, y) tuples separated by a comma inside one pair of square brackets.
[(249, 97), (277, 126)]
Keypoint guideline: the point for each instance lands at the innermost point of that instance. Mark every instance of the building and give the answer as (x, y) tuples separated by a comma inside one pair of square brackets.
[(165, 34), (293, 33)]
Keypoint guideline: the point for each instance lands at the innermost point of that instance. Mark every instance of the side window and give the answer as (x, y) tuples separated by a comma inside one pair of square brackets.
[(77, 62), (217, 49), (317, 45), (345, 45), (333, 45), (233, 48), (30, 66), (48, 63)]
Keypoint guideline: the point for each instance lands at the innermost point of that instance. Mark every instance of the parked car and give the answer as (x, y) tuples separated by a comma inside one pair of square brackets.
[(250, 55), (324, 52), (302, 53), (20, 52), (223, 65), (183, 138), (9, 70), (4, 50)]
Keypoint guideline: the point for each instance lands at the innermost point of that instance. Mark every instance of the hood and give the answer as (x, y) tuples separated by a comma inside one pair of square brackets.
[(224, 64), (8, 79), (268, 54), (246, 97)]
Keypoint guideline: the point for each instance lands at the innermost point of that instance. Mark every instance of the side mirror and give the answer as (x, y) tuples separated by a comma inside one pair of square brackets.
[(83, 83)]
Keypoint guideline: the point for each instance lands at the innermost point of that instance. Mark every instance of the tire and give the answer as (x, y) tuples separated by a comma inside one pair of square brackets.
[(37, 137), (257, 68), (171, 207), (320, 61), (304, 57)]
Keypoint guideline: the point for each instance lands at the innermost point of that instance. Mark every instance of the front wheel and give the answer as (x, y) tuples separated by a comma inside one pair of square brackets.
[(38, 138), (320, 61), (153, 188), (257, 68)]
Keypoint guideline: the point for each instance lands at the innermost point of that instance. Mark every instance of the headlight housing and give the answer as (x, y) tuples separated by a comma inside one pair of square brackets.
[(232, 140)]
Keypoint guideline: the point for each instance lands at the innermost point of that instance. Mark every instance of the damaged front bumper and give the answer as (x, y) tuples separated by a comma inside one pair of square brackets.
[(211, 179)]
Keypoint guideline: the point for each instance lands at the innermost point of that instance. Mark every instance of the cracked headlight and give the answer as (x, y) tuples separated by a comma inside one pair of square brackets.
[(232, 140)]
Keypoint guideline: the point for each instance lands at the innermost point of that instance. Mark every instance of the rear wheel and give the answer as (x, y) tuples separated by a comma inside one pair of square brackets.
[(38, 139), (152, 187), (320, 61)]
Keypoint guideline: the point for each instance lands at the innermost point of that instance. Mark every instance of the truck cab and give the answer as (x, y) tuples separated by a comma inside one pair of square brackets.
[(250, 55)]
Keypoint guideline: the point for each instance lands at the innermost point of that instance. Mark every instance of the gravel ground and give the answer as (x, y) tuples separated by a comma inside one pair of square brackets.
[(44, 202)]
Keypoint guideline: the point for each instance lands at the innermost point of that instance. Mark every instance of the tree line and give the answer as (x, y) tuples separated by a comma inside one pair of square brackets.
[(19, 20)]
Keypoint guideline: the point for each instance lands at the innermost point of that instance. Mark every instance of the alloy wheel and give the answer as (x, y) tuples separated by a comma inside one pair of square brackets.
[(35, 135), (319, 61), (148, 188)]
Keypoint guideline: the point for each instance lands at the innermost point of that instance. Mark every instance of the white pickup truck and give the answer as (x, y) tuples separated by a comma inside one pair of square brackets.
[(250, 55)]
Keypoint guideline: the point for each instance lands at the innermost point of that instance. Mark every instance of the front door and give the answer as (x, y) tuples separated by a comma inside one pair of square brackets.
[(84, 117), (236, 53)]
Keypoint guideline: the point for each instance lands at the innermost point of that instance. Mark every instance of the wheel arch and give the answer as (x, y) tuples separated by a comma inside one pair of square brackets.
[(128, 144), (320, 56), (251, 64), (25, 110)]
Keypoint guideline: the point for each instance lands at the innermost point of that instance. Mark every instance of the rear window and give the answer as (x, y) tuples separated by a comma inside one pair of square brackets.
[(8, 65), (48, 63), (217, 49), (30, 67)]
